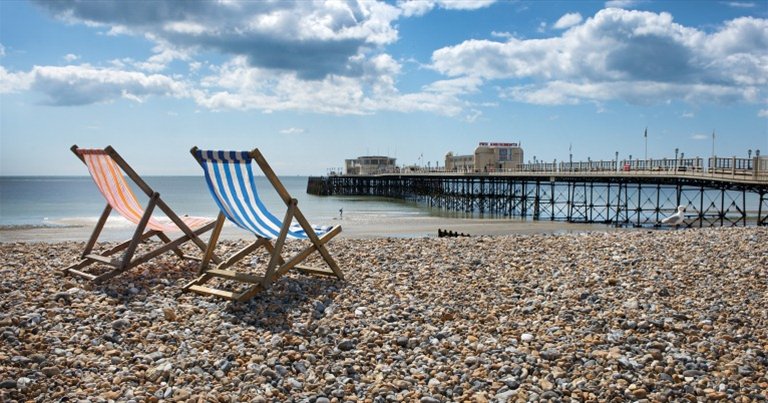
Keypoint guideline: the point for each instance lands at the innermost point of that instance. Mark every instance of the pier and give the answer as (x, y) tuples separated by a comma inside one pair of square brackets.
[(729, 192)]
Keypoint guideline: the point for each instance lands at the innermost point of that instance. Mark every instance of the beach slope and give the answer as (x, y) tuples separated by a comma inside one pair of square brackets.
[(626, 315)]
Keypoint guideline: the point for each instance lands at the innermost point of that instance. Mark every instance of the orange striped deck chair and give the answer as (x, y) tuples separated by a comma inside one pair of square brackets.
[(106, 168)]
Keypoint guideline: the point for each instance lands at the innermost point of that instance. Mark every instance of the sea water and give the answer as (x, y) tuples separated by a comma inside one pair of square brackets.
[(57, 201), (76, 202)]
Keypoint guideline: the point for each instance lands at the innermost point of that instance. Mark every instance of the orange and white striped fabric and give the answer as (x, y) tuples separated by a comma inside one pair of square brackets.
[(113, 186)]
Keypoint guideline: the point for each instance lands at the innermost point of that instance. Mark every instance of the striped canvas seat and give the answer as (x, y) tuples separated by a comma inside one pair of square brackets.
[(230, 179), (115, 189)]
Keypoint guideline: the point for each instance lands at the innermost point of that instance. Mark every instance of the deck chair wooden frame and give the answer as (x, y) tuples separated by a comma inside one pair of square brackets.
[(110, 162), (271, 239)]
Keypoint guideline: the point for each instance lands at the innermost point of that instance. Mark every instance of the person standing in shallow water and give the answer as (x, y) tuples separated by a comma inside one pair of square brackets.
[(341, 212)]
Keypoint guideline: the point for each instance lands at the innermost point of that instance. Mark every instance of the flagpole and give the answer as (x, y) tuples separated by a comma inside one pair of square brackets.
[(713, 163), (646, 145)]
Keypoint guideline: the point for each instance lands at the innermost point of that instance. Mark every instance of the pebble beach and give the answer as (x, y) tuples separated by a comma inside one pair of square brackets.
[(593, 316)]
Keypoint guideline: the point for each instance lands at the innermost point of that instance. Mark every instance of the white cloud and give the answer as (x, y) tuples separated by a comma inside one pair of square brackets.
[(700, 137), (568, 20), (621, 3), (292, 130), (421, 7), (762, 113), (314, 39), (69, 57), (501, 34), (688, 115), (2, 50), (14, 82), (740, 4), (81, 85), (236, 85), (638, 57)]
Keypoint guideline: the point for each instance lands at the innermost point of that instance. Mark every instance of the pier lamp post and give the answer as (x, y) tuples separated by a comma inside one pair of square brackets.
[(676, 150), (617, 161), (749, 153), (757, 153)]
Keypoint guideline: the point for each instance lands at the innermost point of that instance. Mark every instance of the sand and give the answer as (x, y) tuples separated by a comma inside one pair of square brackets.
[(399, 227)]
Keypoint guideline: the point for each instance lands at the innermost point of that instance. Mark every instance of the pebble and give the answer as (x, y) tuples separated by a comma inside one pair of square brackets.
[(601, 316)]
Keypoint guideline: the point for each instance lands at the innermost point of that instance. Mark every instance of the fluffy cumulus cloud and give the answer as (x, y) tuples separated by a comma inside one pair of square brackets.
[(638, 57), (568, 20), (319, 56), (237, 85), (421, 7), (80, 85), (312, 38), (331, 57)]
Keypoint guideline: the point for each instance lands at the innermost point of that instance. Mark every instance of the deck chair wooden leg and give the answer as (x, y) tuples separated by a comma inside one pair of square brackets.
[(296, 259), (97, 231), (179, 252), (269, 276), (102, 257), (212, 242), (184, 228), (137, 234), (125, 244), (197, 286), (242, 253), (320, 245)]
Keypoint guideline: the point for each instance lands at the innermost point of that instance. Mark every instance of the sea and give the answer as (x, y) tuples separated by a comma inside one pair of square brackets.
[(74, 201)]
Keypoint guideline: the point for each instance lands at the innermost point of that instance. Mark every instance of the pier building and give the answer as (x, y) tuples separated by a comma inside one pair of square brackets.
[(488, 157), (370, 165)]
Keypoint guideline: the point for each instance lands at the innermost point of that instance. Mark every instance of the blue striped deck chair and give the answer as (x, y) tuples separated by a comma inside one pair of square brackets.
[(231, 182)]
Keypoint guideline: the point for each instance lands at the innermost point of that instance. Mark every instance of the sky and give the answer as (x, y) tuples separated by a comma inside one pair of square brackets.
[(312, 83)]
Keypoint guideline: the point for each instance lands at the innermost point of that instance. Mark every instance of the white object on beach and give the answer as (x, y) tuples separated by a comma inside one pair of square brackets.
[(677, 218)]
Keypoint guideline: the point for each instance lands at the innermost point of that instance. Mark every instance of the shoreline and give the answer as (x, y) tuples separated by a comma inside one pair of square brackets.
[(391, 227)]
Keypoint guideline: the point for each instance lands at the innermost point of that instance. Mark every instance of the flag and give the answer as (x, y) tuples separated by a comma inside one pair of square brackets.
[(646, 132)]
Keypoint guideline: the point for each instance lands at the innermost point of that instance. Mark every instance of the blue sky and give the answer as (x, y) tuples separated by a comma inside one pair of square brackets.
[(313, 83)]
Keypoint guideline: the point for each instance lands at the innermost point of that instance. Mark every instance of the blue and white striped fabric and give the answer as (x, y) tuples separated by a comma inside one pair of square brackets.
[(231, 181)]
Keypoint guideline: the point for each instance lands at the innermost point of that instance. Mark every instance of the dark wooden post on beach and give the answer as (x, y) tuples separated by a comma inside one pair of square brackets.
[(590, 197)]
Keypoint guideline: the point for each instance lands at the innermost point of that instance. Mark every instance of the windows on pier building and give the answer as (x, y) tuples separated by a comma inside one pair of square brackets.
[(370, 165), (488, 157)]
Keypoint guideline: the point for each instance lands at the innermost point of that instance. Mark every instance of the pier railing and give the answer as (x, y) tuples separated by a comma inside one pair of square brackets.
[(755, 168)]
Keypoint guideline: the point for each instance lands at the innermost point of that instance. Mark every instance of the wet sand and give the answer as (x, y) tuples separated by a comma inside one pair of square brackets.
[(395, 227)]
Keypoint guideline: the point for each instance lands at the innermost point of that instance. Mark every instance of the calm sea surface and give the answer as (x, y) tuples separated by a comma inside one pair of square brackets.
[(75, 201)]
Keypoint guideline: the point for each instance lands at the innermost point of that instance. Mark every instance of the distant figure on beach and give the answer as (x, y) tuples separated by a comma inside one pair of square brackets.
[(675, 219), (341, 212)]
